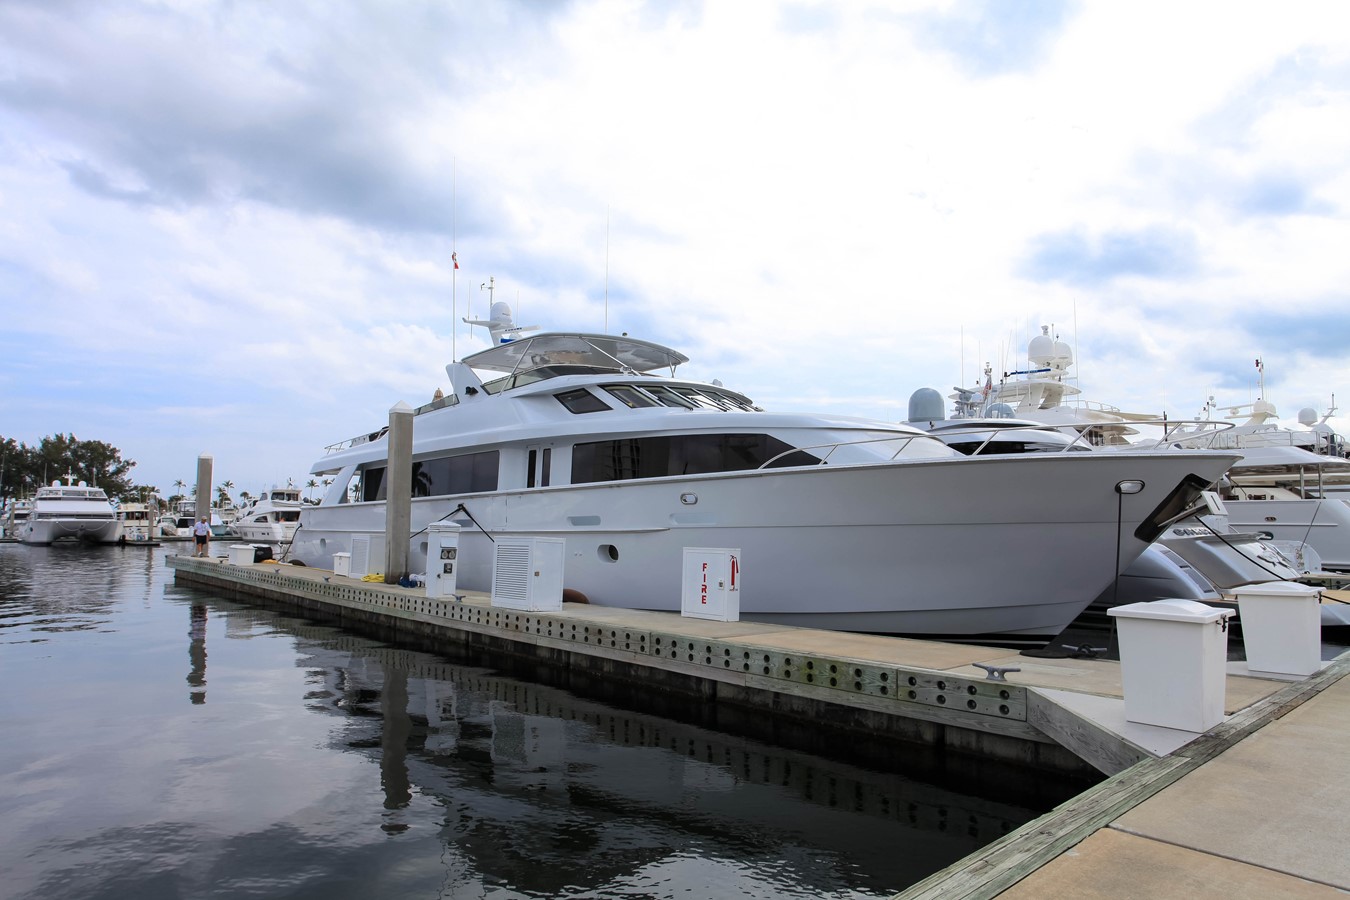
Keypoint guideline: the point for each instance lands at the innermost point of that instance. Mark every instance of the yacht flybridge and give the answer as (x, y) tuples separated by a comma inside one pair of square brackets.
[(842, 523)]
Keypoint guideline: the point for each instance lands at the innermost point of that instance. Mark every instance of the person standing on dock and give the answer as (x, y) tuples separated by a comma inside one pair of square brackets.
[(201, 533)]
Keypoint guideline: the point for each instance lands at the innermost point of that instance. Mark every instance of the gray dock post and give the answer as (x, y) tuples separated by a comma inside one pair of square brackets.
[(398, 493), (203, 497)]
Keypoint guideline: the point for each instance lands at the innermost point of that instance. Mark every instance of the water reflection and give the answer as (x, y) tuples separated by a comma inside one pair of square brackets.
[(197, 653), (58, 588), (330, 765), (547, 792)]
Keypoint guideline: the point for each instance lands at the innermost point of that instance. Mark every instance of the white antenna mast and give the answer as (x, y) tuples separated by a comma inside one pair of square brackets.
[(454, 258), (606, 269)]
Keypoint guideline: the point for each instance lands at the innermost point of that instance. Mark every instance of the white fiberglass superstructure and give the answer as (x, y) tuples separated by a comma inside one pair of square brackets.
[(842, 523), (71, 512)]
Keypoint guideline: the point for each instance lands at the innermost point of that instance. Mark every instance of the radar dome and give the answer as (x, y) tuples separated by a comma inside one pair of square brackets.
[(1307, 416), (1063, 354), (1000, 411), (925, 405), (1042, 348)]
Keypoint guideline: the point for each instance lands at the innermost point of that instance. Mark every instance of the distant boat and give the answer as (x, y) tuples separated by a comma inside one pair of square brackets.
[(136, 521), (13, 517), (71, 512), (272, 518)]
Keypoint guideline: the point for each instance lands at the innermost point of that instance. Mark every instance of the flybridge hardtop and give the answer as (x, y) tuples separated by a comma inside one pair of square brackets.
[(577, 349)]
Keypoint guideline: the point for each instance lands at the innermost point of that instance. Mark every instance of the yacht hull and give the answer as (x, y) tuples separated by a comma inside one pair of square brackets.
[(963, 548), (274, 533), (1323, 524), (86, 530)]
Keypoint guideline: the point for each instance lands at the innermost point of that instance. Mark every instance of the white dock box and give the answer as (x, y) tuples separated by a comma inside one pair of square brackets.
[(711, 584), (367, 555), (241, 554), (342, 564), (527, 573), (442, 559), (1173, 662), (1281, 627)]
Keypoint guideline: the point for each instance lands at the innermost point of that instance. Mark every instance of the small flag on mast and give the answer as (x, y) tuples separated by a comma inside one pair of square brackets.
[(454, 258)]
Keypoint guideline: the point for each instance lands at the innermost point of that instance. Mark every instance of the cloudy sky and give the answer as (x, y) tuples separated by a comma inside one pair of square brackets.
[(226, 227)]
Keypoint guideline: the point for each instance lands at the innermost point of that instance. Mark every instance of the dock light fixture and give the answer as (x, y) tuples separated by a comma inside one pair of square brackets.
[(1129, 487)]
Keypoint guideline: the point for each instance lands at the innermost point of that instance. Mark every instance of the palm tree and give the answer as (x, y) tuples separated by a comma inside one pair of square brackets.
[(309, 486), (223, 493)]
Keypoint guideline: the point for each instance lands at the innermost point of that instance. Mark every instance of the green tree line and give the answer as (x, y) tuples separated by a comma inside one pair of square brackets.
[(25, 468)]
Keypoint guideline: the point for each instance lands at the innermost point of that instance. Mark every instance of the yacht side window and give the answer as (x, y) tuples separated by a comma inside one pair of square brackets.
[(630, 396), (582, 401), (370, 484), (699, 399), (667, 397)]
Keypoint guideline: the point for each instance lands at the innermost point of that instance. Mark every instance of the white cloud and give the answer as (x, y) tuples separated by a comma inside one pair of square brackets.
[(267, 197)]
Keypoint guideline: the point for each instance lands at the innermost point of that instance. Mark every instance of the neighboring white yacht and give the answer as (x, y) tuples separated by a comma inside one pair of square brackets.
[(1289, 483), (13, 517), (71, 512), (842, 523), (272, 518), (137, 524), (1046, 392)]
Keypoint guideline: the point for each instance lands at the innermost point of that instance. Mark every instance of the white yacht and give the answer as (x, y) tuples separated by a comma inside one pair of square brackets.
[(1047, 392), (1289, 483), (71, 512), (137, 524), (13, 517), (842, 523), (1281, 491), (271, 518)]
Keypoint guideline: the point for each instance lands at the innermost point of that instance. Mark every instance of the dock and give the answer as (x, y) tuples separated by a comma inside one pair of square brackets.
[(1252, 807)]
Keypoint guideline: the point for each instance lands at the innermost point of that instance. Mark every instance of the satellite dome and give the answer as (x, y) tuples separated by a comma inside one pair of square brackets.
[(1307, 416), (925, 405), (1042, 348), (1063, 353), (1000, 411)]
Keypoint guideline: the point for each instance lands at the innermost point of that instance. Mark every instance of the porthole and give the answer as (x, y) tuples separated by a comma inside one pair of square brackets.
[(608, 553)]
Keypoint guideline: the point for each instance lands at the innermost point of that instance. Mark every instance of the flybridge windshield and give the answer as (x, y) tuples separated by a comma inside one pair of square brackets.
[(541, 373), (602, 350)]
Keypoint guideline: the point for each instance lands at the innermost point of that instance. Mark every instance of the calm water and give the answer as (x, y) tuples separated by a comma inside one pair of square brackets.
[(162, 742)]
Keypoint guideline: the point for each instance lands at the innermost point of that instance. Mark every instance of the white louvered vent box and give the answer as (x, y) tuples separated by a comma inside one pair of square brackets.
[(527, 573), (367, 555)]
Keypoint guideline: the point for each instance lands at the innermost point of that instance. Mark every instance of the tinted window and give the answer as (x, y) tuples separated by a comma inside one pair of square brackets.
[(630, 396), (581, 401), (667, 397), (463, 474), (371, 484), (687, 454)]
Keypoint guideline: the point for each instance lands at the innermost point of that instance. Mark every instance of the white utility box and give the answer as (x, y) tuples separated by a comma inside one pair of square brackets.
[(1173, 662), (342, 564), (711, 584), (1281, 627), (527, 573), (241, 554), (367, 555), (442, 558)]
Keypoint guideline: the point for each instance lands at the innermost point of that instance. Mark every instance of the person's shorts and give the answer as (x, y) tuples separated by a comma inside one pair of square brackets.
[(201, 538)]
